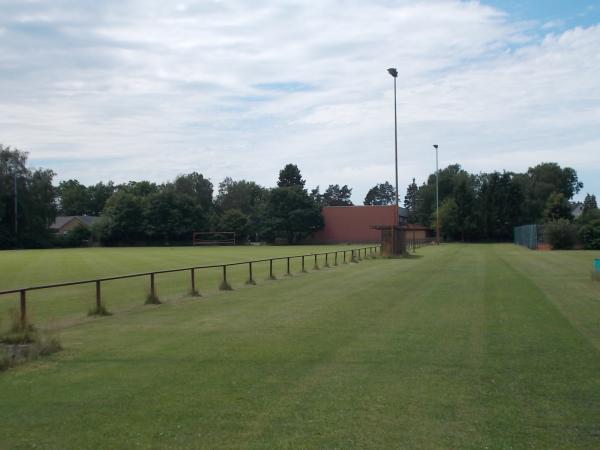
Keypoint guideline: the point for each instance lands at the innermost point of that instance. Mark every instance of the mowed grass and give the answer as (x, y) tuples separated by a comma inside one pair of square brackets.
[(52, 307), (462, 346)]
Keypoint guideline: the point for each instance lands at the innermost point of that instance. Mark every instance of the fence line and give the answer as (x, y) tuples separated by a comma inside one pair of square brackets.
[(529, 236), (414, 244), (356, 254)]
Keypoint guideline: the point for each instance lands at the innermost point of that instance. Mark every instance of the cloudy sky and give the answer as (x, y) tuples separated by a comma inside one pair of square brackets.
[(147, 89)]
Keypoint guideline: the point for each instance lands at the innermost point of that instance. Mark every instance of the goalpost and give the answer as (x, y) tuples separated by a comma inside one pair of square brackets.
[(213, 238)]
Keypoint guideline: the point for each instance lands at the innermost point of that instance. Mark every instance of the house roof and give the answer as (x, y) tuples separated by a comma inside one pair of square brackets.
[(61, 221)]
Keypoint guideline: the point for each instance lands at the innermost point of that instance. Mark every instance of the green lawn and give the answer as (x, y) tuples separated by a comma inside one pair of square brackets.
[(55, 307), (462, 346)]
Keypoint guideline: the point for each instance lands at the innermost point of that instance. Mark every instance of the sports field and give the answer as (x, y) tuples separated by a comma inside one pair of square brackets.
[(461, 346)]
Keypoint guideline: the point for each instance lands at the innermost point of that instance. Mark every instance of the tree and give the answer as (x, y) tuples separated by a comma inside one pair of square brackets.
[(171, 215), (589, 203), (411, 201), (557, 207), (449, 221), (98, 195), (543, 180), (290, 176), (290, 211), (464, 198), (381, 194), (139, 188), (589, 231), (316, 197), (335, 195), (245, 196), (196, 186), (560, 234), (35, 195), (236, 221), (73, 198), (499, 206), (122, 219)]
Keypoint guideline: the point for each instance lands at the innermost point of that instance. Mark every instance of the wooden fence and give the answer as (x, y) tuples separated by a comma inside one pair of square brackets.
[(351, 255)]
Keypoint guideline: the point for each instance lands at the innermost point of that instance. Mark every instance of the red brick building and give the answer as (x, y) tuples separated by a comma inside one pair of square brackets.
[(353, 223)]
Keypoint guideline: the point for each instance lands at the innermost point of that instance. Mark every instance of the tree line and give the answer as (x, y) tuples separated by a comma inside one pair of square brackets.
[(473, 207)]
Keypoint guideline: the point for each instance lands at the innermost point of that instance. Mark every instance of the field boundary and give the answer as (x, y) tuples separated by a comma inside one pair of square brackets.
[(355, 254)]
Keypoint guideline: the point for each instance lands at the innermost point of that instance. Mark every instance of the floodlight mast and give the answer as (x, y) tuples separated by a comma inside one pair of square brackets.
[(437, 202), (394, 73)]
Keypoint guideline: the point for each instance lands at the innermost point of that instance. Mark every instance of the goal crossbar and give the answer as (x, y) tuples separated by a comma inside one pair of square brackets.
[(213, 238)]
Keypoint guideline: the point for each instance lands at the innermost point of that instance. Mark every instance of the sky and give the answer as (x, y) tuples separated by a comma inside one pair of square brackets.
[(131, 89)]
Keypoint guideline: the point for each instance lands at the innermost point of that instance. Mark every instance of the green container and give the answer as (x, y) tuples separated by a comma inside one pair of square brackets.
[(597, 264)]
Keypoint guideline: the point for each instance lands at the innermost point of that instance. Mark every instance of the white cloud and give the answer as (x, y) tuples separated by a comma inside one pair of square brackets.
[(134, 89)]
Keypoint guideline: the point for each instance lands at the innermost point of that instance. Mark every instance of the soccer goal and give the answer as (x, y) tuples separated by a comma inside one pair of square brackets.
[(213, 238)]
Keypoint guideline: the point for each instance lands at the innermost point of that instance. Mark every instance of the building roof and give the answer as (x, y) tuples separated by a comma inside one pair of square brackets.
[(61, 221)]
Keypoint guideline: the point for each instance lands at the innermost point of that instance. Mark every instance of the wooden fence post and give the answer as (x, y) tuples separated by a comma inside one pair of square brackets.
[(250, 279), (316, 266), (98, 297), (271, 276), (23, 304), (225, 286), (195, 293), (289, 274)]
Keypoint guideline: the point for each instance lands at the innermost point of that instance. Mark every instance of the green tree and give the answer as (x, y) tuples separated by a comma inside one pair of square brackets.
[(589, 203), (238, 222), (98, 196), (335, 195), (245, 196), (290, 176), (196, 186), (170, 215), (35, 195), (73, 198), (411, 201), (122, 219), (292, 213), (557, 207), (449, 219), (560, 234), (543, 180), (381, 194)]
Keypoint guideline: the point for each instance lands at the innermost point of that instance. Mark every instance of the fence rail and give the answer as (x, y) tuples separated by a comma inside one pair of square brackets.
[(355, 254), (414, 244)]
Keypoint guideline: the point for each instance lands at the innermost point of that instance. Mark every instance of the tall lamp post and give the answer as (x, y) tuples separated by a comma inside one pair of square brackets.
[(394, 73), (437, 197)]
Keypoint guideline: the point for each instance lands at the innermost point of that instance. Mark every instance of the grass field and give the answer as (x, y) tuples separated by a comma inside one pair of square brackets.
[(461, 346), (56, 306)]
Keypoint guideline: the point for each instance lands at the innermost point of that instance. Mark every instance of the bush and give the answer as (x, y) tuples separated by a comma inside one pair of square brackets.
[(589, 234), (560, 234)]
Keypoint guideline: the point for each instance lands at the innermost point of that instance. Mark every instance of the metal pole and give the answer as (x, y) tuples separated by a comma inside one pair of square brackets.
[(437, 198), (16, 202), (396, 147)]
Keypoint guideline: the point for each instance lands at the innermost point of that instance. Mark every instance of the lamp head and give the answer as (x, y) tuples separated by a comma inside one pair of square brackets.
[(435, 146), (393, 72)]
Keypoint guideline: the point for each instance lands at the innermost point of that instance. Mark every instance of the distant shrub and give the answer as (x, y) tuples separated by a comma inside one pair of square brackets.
[(589, 234), (560, 234)]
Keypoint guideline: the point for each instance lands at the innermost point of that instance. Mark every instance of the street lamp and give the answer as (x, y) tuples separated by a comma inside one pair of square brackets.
[(394, 73), (437, 196)]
